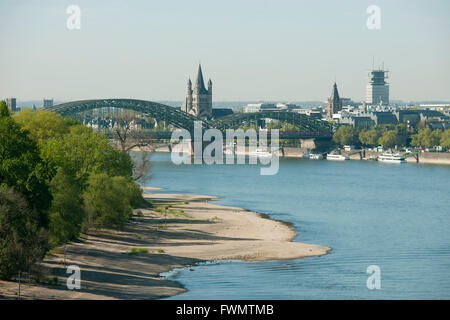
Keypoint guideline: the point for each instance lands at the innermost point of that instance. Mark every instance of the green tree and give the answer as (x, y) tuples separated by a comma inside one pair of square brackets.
[(434, 138), (370, 137), (108, 201), (82, 152), (22, 242), (445, 139), (21, 166), (345, 135), (389, 139), (66, 211), (42, 125), (427, 138)]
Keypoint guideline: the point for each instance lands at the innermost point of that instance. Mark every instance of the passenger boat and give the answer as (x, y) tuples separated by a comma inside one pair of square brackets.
[(388, 157)]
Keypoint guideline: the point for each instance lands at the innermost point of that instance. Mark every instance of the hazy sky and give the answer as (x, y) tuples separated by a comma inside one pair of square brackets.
[(252, 50)]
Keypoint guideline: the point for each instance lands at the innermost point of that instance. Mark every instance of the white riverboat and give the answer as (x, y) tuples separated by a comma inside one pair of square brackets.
[(337, 157), (389, 157)]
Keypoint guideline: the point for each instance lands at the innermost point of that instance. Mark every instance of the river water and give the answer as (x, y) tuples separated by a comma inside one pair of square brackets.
[(396, 217)]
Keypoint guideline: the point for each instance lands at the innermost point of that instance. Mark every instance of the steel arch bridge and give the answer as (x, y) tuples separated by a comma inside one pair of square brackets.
[(152, 109), (304, 122), (180, 119)]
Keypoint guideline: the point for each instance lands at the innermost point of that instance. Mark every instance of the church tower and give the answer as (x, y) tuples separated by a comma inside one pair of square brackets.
[(334, 102), (187, 106), (199, 101)]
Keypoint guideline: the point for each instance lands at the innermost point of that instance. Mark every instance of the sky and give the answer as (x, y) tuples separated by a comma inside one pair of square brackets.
[(252, 50)]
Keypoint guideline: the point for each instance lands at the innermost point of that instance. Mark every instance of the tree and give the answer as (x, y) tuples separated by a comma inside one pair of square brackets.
[(22, 242), (370, 137), (445, 139), (345, 135), (389, 139), (427, 138), (66, 211), (21, 166), (109, 200), (434, 139), (42, 125), (129, 139), (82, 152)]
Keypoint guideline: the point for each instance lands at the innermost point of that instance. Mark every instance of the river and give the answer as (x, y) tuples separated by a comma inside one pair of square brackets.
[(396, 217)]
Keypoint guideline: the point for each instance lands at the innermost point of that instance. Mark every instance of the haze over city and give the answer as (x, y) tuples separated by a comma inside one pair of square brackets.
[(252, 50)]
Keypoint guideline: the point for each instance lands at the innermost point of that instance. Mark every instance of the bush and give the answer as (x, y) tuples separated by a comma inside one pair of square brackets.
[(135, 251), (109, 201)]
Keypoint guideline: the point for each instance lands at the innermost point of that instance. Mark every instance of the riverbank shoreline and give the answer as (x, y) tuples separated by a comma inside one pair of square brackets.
[(127, 264)]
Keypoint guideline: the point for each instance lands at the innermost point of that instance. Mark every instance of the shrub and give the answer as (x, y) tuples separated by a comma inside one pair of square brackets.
[(135, 251), (109, 201)]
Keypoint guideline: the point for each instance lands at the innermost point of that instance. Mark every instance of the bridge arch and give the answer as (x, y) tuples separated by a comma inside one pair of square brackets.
[(156, 110), (304, 122)]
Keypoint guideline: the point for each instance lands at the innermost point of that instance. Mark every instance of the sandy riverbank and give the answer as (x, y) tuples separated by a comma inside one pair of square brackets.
[(196, 230)]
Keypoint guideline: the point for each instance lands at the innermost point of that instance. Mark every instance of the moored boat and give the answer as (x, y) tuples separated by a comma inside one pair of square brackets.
[(389, 157)]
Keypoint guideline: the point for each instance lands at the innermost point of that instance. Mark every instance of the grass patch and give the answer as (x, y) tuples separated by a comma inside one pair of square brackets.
[(160, 251), (163, 227), (135, 251)]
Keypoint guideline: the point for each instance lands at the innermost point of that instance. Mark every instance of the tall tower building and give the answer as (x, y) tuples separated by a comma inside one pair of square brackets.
[(198, 101), (334, 102), (48, 103), (11, 103), (377, 90)]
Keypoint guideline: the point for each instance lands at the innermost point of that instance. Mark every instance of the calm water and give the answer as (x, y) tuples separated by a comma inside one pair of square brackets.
[(393, 216)]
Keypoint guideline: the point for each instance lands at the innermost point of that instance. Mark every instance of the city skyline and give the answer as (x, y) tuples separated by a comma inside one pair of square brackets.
[(267, 51)]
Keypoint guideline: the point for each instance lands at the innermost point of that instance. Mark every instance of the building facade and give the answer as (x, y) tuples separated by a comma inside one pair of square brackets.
[(377, 90), (334, 103), (198, 102)]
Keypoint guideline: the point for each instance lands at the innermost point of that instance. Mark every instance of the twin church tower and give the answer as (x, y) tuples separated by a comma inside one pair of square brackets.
[(199, 101)]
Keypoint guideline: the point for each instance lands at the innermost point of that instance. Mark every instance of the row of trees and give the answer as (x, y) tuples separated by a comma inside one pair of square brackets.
[(346, 135), (58, 178), (431, 138)]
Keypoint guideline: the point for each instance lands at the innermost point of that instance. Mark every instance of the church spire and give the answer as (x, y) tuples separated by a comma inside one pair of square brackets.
[(335, 93), (200, 84)]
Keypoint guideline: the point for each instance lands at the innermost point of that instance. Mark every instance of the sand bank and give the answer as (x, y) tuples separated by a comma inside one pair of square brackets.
[(194, 230)]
